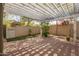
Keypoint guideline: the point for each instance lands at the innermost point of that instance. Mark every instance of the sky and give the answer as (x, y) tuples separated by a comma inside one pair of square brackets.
[(17, 18), (14, 17)]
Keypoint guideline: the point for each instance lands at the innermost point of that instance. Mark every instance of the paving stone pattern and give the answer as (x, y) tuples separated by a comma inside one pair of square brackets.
[(39, 46)]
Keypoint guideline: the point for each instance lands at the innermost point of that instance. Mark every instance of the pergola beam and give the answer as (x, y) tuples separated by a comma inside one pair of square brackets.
[(66, 17)]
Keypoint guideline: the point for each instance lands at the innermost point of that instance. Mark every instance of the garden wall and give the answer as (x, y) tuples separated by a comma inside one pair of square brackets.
[(21, 31), (24, 30), (60, 30), (63, 30)]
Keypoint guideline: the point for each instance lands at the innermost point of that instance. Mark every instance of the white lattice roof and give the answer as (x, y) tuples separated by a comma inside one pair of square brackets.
[(42, 11)]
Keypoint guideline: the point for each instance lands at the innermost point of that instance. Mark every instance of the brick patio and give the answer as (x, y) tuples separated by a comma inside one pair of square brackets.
[(38, 46)]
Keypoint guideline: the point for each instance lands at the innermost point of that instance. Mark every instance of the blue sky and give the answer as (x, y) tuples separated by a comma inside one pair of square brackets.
[(14, 17)]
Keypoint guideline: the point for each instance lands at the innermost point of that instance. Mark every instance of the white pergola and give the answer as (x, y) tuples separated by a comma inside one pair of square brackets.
[(45, 11)]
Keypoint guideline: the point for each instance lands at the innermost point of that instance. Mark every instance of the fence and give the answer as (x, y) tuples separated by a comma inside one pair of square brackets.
[(55, 30), (63, 30), (21, 31)]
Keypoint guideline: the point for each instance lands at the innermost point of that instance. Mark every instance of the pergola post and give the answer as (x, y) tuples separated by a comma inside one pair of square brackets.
[(74, 30), (1, 28), (40, 31), (56, 27)]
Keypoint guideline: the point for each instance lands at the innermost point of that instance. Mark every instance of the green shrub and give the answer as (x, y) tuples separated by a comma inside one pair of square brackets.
[(21, 37), (45, 29), (45, 34), (16, 38)]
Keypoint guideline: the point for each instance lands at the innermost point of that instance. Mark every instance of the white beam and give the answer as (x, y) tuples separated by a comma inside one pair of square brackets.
[(66, 17)]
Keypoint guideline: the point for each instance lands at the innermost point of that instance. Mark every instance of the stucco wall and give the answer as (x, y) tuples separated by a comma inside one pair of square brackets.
[(63, 30), (59, 29), (21, 31)]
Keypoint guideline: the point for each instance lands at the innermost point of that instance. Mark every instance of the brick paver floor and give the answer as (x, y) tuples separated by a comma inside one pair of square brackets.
[(39, 46)]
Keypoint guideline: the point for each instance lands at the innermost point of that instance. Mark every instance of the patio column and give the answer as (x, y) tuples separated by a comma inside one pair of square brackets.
[(1, 28), (40, 31), (74, 30), (56, 27)]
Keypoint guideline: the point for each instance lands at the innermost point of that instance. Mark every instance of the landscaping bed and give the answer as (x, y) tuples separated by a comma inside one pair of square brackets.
[(21, 37)]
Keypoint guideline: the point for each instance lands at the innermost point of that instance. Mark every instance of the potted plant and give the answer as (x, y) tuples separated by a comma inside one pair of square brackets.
[(45, 34), (68, 38)]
